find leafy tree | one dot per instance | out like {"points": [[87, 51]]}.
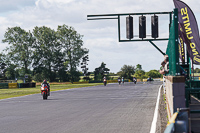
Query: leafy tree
{"points": [[76, 75], [84, 64], [10, 72], [28, 78], [138, 67], [20, 73], [8, 68], [54, 54], [140, 74], [46, 52], [119, 73], [98, 77], [62, 72], [3, 65], [153, 74], [39, 77], [101, 71], [127, 71], [112, 74], [20, 43], [72, 43]]}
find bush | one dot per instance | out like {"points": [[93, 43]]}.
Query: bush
{"points": [[153, 74]]}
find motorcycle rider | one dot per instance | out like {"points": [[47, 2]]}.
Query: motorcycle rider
{"points": [[149, 79], [134, 80], [119, 80], [123, 80], [104, 80], [45, 82]]}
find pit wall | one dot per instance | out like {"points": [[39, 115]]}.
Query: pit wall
{"points": [[175, 93]]}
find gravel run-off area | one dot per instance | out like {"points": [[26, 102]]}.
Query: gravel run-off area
{"points": [[162, 114]]}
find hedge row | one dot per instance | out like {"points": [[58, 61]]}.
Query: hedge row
{"points": [[95, 81], [17, 85]]}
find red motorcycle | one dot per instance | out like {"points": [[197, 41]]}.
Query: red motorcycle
{"points": [[45, 91]]}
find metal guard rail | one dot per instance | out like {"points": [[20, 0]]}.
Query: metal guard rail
{"points": [[170, 126], [179, 122]]}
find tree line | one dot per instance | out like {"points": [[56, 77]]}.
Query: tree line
{"points": [[44, 53], [54, 55], [129, 71], [126, 71]]}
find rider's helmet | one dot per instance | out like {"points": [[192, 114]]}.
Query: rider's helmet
{"points": [[45, 82]]}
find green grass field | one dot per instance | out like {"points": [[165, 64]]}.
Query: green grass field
{"points": [[9, 93]]}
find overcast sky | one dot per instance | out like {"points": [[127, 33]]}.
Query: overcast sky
{"points": [[100, 37]]}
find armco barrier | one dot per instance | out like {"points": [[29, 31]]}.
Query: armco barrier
{"points": [[179, 122], [33, 84], [3, 85], [12, 85], [26, 85], [112, 81], [95, 81], [16, 85]]}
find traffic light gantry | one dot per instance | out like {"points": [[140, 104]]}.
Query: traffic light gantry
{"points": [[142, 26]]}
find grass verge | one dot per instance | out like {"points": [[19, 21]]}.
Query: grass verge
{"points": [[9, 93]]}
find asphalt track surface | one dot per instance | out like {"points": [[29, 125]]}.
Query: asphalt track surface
{"points": [[127, 108]]}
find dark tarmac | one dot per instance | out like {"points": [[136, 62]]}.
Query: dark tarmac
{"points": [[114, 108]]}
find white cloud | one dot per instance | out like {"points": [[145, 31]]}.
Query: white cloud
{"points": [[13, 5], [100, 37]]}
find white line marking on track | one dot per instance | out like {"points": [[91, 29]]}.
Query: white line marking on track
{"points": [[153, 125]]}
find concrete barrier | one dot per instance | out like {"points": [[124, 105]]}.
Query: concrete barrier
{"points": [[175, 93]]}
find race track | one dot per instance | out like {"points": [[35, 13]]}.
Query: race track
{"points": [[127, 108]]}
